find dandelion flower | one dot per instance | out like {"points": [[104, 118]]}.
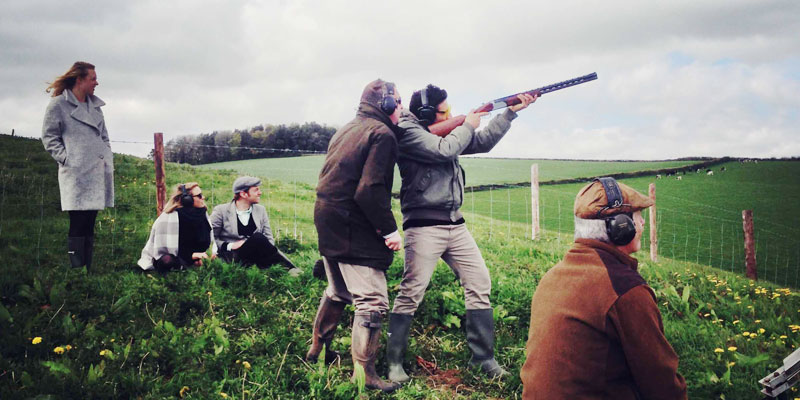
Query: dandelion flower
{"points": [[753, 335], [58, 350], [718, 350], [730, 364], [758, 321], [732, 348], [736, 322], [68, 347], [37, 340], [183, 391], [783, 336], [246, 364], [223, 395], [746, 333], [761, 330]]}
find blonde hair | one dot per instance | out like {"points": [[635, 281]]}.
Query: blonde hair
{"points": [[67, 81], [175, 198]]}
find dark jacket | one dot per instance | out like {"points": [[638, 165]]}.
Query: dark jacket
{"points": [[433, 180], [596, 332], [353, 210]]}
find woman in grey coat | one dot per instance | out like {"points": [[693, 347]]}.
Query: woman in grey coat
{"points": [[74, 133]]}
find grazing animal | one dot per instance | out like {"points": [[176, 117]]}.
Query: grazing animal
{"points": [[723, 169], [680, 178], [710, 172], [658, 176]]}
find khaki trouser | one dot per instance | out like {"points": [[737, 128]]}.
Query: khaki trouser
{"points": [[363, 286], [453, 244]]}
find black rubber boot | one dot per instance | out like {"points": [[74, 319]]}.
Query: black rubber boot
{"points": [[88, 252], [396, 343], [76, 248], [364, 349], [480, 339], [325, 324]]}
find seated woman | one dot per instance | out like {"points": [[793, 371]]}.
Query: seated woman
{"points": [[182, 234]]}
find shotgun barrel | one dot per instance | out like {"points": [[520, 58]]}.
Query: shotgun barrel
{"points": [[445, 127]]}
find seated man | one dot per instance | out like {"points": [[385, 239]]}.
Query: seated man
{"points": [[242, 231], [595, 331]]}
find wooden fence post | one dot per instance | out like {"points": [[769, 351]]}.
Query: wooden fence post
{"points": [[749, 245], [534, 201], [158, 160], [653, 227]]}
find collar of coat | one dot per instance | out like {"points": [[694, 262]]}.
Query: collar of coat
{"points": [[367, 110], [92, 116], [609, 248]]}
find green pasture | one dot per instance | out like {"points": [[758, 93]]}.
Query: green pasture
{"points": [[699, 217], [479, 171], [225, 331]]}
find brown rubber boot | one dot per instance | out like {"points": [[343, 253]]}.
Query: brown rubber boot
{"points": [[364, 348], [325, 324]]}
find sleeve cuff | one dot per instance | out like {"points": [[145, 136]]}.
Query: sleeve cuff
{"points": [[391, 235]]}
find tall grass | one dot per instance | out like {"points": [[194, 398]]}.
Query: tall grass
{"points": [[222, 330]]}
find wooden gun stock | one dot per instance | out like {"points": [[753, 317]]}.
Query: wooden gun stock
{"points": [[445, 127]]}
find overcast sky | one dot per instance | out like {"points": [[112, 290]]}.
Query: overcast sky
{"points": [[676, 78]]}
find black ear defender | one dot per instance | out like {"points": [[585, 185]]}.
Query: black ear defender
{"points": [[620, 227], [426, 113], [187, 200], [388, 103]]}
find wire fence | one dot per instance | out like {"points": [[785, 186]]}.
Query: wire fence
{"points": [[31, 221]]}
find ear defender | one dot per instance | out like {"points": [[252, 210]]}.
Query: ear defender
{"points": [[388, 103], [187, 200], [620, 227], [427, 113]]}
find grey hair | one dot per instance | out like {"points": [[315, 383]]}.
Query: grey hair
{"points": [[591, 229]]}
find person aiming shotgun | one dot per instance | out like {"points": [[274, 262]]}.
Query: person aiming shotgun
{"points": [[431, 196]]}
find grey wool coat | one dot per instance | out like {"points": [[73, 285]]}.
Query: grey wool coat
{"points": [[224, 223], [75, 134]]}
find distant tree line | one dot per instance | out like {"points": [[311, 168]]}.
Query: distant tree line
{"points": [[262, 141]]}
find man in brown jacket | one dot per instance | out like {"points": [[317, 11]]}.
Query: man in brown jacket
{"points": [[595, 331], [357, 230]]}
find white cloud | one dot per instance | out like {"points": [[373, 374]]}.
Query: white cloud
{"points": [[676, 79]]}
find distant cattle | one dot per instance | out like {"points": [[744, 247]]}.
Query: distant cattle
{"points": [[658, 176], [722, 169], [680, 178], [709, 172]]}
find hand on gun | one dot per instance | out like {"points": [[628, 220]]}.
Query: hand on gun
{"points": [[525, 100], [474, 118]]}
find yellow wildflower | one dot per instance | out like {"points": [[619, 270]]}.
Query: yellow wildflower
{"points": [[758, 321], [761, 330], [223, 395], [732, 348], [783, 336], [208, 293], [37, 340], [736, 322], [753, 335], [68, 347], [246, 364], [183, 391], [718, 350], [746, 333], [730, 364], [58, 350]]}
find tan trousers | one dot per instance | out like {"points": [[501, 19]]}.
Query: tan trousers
{"points": [[453, 244], [362, 286]]}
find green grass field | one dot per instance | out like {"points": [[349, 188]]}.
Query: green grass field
{"points": [[223, 331], [699, 217], [479, 171]]}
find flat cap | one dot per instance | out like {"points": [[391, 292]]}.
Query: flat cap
{"points": [[242, 184], [592, 202]]}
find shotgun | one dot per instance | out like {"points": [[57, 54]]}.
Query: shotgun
{"points": [[445, 127]]}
